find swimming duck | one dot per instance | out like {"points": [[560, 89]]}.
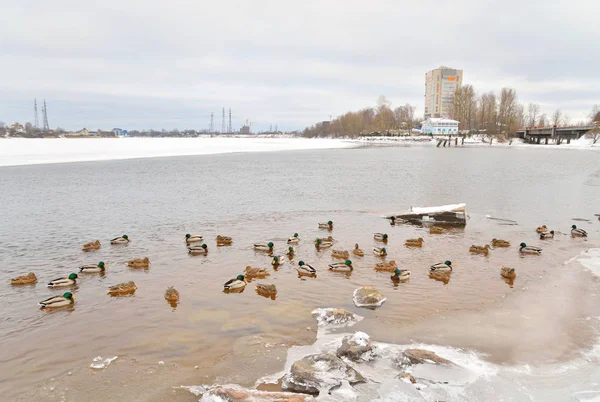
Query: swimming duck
{"points": [[294, 239], [58, 301], [237, 283], [345, 266], [24, 279], [485, 250], [380, 251], [500, 243], [93, 245], [441, 267], [357, 251], [190, 238], [414, 242], [91, 268], [394, 220], [122, 289], [139, 263], [508, 273], [68, 281], [321, 243], [172, 295], [383, 237], [290, 251], [198, 249], [386, 266], [252, 273], [120, 240], [224, 241], [547, 235], [305, 269], [277, 260], [266, 290], [525, 249], [578, 232], [542, 229], [400, 274], [437, 230], [266, 247], [328, 225], [342, 254]]}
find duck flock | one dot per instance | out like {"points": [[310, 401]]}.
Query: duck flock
{"points": [[196, 246]]}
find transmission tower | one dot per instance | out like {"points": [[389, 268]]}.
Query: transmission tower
{"points": [[45, 117], [36, 122], [276, 128], [229, 128], [223, 122], [212, 123]]}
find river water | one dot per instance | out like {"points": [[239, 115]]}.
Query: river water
{"points": [[547, 317]]}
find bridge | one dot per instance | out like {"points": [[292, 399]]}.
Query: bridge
{"points": [[535, 135]]}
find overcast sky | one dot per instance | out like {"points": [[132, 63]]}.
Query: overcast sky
{"points": [[169, 64]]}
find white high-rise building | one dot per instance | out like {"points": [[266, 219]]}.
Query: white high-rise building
{"points": [[440, 85]]}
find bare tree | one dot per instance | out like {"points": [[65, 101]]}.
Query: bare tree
{"points": [[557, 118], [533, 111], [405, 116], [594, 115], [464, 107], [507, 110], [543, 120]]}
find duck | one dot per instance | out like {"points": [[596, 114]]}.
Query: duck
{"points": [[414, 242], [380, 251], [386, 266], [383, 237], [394, 220], [485, 250], [500, 243], [66, 299], [294, 239], [328, 225], [547, 235], [251, 273], [171, 295], [291, 251], [508, 273], [575, 231], [266, 290], [120, 240], [437, 230], [342, 254], [122, 289], [236, 283], [224, 241], [525, 249], [400, 274], [441, 267], [542, 229], [322, 243], [91, 268], [266, 247], [305, 269], [357, 251], [93, 245], [345, 266], [68, 281], [198, 249], [139, 263], [24, 279], [193, 238], [277, 260]]}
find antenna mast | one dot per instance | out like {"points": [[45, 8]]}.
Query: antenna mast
{"points": [[36, 122], [45, 117]]}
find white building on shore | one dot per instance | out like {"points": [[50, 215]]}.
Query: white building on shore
{"points": [[439, 126]]}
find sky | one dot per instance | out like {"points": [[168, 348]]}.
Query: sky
{"points": [[169, 64]]}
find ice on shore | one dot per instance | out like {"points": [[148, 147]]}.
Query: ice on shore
{"points": [[100, 362]]}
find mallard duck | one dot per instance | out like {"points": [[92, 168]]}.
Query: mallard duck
{"points": [[342, 254], [93, 245], [236, 283], [120, 240], [139, 263], [485, 250], [500, 243], [383, 237], [394, 220], [252, 273], [24, 279], [91, 268], [198, 249], [277, 260], [305, 269], [508, 273], [122, 289], [172, 295], [266, 247], [547, 235], [294, 239], [575, 231], [68, 281], [414, 242], [357, 251], [291, 251], [437, 230], [441, 267], [345, 266], [380, 251], [525, 249], [266, 290], [321, 243], [400, 274], [542, 229], [58, 301], [190, 238], [328, 225], [224, 241], [386, 266]]}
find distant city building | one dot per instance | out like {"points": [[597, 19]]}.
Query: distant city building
{"points": [[440, 85], [245, 130], [436, 126], [119, 132]]}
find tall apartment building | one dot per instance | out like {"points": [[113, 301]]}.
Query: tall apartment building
{"points": [[440, 85]]}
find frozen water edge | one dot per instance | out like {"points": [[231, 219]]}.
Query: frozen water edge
{"points": [[23, 151]]}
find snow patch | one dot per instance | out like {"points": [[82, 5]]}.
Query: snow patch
{"points": [[100, 363]]}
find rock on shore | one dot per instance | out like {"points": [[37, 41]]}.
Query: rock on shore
{"points": [[356, 347], [368, 296]]}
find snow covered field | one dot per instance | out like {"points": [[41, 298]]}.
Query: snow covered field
{"points": [[22, 151]]}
